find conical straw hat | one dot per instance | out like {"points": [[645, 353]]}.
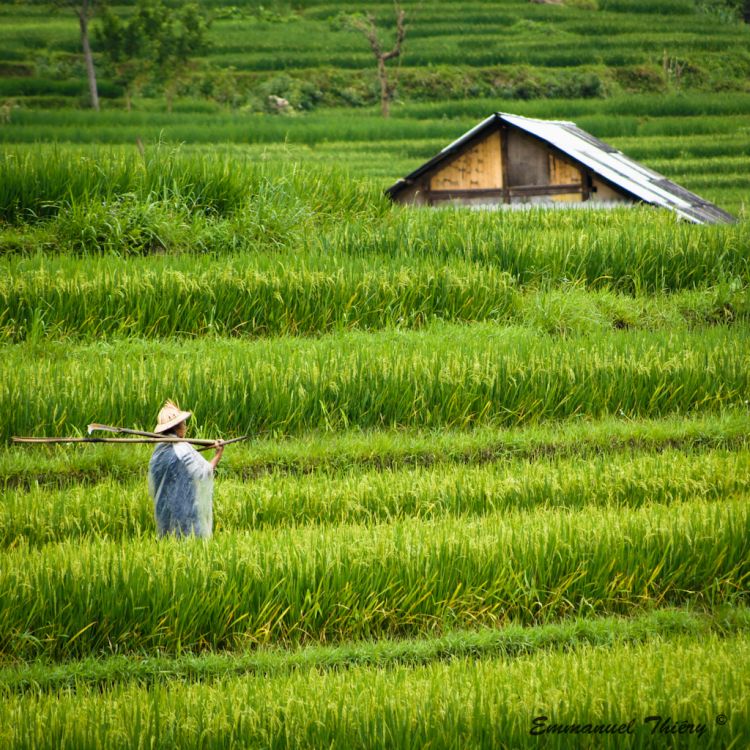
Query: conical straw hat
{"points": [[170, 416]]}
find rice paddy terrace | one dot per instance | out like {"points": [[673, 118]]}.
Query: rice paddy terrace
{"points": [[497, 491]]}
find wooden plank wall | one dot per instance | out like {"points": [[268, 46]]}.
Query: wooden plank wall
{"points": [[478, 168], [533, 173], [605, 194], [563, 173], [527, 161]]}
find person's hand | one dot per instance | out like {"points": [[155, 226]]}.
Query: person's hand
{"points": [[219, 448]]}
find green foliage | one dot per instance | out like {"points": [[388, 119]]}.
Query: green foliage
{"points": [[156, 41], [154, 34], [452, 52], [725, 10], [302, 94]]}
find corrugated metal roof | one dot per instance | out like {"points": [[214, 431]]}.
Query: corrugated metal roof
{"points": [[599, 158]]}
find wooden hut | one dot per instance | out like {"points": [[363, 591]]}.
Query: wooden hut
{"points": [[508, 160]]}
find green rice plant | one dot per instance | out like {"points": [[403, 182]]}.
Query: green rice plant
{"points": [[485, 643], [115, 127], [645, 148], [12, 87], [633, 128], [251, 295], [723, 181], [603, 249], [704, 168], [116, 510], [321, 127], [110, 200], [261, 294], [642, 105], [443, 376], [634, 251], [463, 703], [660, 7], [339, 583], [609, 126], [65, 467]]}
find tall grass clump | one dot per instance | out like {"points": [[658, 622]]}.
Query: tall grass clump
{"points": [[44, 182]]}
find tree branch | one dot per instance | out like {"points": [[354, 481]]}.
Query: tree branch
{"points": [[367, 26], [400, 34]]}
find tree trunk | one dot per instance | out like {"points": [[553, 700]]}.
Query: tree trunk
{"points": [[83, 19], [385, 94]]}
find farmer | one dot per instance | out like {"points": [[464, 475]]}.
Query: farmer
{"points": [[180, 480]]}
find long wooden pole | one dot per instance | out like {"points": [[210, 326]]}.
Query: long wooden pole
{"points": [[142, 433], [40, 440], [205, 444]]}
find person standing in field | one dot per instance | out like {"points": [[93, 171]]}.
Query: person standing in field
{"points": [[180, 480]]}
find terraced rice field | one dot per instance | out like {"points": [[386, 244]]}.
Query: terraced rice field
{"points": [[396, 588], [496, 494], [497, 489], [389, 587]]}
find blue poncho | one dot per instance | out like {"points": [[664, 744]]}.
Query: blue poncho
{"points": [[181, 485]]}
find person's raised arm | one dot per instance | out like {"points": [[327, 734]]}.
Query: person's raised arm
{"points": [[217, 456]]}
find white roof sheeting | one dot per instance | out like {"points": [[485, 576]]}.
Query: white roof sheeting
{"points": [[601, 159]]}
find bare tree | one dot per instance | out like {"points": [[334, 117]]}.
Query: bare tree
{"points": [[366, 24]]}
